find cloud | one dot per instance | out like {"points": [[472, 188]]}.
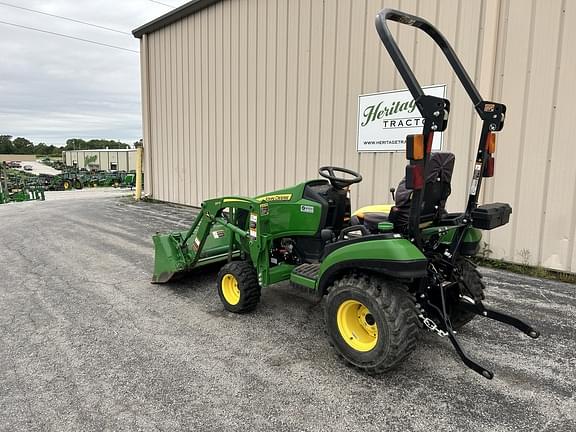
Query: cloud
{"points": [[52, 88]]}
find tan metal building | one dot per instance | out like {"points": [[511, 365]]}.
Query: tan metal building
{"points": [[101, 159], [245, 96]]}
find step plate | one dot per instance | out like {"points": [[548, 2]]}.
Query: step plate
{"points": [[309, 271]]}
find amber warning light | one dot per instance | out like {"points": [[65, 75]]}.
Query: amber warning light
{"points": [[490, 149]]}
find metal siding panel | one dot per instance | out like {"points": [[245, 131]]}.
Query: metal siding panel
{"points": [[281, 86], [162, 148], [204, 107], [531, 167], [341, 76], [370, 61], [355, 83], [251, 99], [242, 134], [198, 142], [172, 125], [179, 125], [465, 119], [219, 102], [261, 101], [234, 99], [146, 121], [293, 60], [560, 205], [187, 165], [300, 145], [518, 49], [328, 87], [211, 99], [315, 101], [156, 127], [226, 173], [151, 85], [384, 176], [191, 159], [271, 91]]}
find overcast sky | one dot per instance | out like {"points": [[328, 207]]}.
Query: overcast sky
{"points": [[52, 88]]}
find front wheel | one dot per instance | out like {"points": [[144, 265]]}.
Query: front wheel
{"points": [[238, 287], [371, 322]]}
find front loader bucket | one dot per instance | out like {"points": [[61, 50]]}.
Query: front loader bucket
{"points": [[169, 258]]}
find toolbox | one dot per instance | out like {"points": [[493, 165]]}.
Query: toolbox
{"points": [[490, 216]]}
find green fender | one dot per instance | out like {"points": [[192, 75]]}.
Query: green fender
{"points": [[391, 256]]}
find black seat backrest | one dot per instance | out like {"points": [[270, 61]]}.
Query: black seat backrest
{"points": [[438, 189]]}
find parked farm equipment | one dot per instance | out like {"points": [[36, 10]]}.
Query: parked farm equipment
{"points": [[18, 187], [384, 276]]}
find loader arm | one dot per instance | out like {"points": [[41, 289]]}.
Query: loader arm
{"points": [[182, 251]]}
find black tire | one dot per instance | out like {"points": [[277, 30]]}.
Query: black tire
{"points": [[78, 184], [246, 288], [66, 185], [392, 311], [471, 285]]}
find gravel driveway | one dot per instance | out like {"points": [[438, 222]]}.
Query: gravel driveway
{"points": [[87, 343]]}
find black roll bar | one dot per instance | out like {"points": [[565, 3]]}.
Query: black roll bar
{"points": [[401, 63], [435, 112]]}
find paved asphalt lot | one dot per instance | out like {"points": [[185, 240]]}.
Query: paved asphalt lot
{"points": [[87, 343]]}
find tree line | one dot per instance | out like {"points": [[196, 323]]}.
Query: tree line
{"points": [[10, 145]]}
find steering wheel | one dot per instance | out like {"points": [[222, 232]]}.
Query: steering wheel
{"points": [[339, 182]]}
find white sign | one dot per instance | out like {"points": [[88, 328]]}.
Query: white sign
{"points": [[384, 120]]}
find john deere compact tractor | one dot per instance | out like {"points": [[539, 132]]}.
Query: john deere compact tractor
{"points": [[385, 275]]}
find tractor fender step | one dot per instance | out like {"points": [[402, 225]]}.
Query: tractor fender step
{"points": [[309, 271], [305, 275]]}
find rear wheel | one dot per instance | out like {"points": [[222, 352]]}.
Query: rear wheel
{"points": [[472, 286], [371, 322], [238, 287]]}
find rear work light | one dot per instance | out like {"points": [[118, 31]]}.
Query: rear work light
{"points": [[415, 147], [490, 149], [491, 143], [415, 176], [489, 167]]}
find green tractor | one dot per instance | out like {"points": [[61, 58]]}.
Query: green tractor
{"points": [[385, 275]]}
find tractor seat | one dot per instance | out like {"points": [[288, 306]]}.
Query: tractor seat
{"points": [[433, 203], [371, 216]]}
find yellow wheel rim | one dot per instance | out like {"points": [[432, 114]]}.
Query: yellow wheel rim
{"points": [[357, 325], [66, 185], [230, 289]]}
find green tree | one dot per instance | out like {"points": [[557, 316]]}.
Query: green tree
{"points": [[75, 144], [23, 146], [53, 150], [6, 146], [41, 149]]}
